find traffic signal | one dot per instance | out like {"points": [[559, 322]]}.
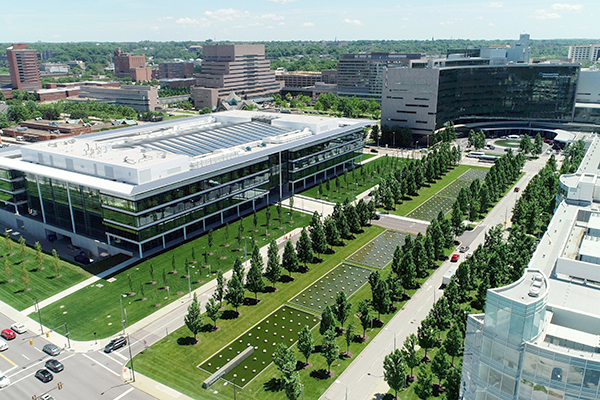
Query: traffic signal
{"points": [[31, 342], [59, 385]]}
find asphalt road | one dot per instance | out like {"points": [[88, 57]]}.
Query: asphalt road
{"points": [[92, 375]]}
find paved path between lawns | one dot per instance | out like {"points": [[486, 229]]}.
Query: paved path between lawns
{"points": [[364, 377]]}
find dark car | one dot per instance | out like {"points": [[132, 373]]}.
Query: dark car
{"points": [[557, 374], [51, 349], [115, 344], [54, 365], [83, 259], [44, 375]]}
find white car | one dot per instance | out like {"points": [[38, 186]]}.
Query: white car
{"points": [[4, 381], [18, 327], [3, 345]]}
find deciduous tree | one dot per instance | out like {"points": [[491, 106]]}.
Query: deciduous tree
{"points": [[193, 319], [394, 371]]}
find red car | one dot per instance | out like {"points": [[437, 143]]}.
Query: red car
{"points": [[454, 258], [8, 334]]}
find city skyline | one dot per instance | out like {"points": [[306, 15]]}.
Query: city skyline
{"points": [[284, 20]]}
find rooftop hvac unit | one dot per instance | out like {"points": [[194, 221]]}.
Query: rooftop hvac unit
{"points": [[534, 292]]}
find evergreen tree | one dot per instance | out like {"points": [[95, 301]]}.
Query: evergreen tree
{"points": [[456, 220], [219, 292], [396, 260], [409, 352], [342, 226], [238, 269], [304, 248], [254, 280], [381, 298], [409, 278], [289, 261], [329, 348], [331, 232], [353, 219], [318, 239], [341, 308], [193, 319], [327, 320], [305, 342], [213, 311], [273, 271], [235, 292], [394, 368]]}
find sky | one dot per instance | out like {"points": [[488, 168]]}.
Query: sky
{"points": [[274, 20]]}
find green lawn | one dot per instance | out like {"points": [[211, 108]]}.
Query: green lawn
{"points": [[366, 156], [155, 363], [96, 308], [427, 192], [507, 143], [356, 181], [43, 278]]}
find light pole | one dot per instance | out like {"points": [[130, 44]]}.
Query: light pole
{"points": [[338, 381], [234, 376], [122, 315], [394, 333], [37, 307]]}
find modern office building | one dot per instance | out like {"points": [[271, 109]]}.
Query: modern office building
{"points": [[298, 79], [175, 70], [128, 65], [139, 97], [23, 66], [425, 99], [587, 106], [582, 53], [362, 75], [237, 68], [145, 188], [539, 338]]}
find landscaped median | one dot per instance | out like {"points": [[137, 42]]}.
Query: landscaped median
{"points": [[142, 288]]}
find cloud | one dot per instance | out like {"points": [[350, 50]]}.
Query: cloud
{"points": [[161, 19], [353, 21], [495, 4], [543, 14], [307, 24], [187, 21], [282, 1], [567, 7], [154, 28], [273, 17], [227, 14]]}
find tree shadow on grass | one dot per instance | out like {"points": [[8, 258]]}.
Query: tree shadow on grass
{"points": [[230, 314], [272, 385], [187, 341], [286, 278], [249, 301], [322, 374]]}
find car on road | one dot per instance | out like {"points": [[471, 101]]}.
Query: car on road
{"points": [[454, 258], [44, 375], [51, 349], [3, 345], [18, 327], [8, 334], [46, 397], [463, 249], [516, 189], [4, 381], [115, 344], [54, 365]]}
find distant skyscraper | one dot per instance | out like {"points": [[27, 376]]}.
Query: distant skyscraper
{"points": [[23, 65]]}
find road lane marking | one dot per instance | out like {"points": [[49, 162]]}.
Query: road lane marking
{"points": [[10, 369], [109, 357], [121, 356], [3, 356], [25, 356], [101, 365], [123, 395]]}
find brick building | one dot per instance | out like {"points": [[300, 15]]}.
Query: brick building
{"points": [[175, 70], [132, 66], [23, 66]]}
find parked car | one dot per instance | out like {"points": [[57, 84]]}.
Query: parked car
{"points": [[516, 189], [8, 334], [3, 345], [4, 381], [454, 258], [464, 249], [44, 375], [115, 344], [54, 365], [51, 349], [469, 255], [18, 327]]}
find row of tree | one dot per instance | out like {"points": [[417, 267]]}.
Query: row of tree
{"points": [[409, 178]]}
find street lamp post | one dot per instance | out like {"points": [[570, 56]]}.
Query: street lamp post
{"points": [[338, 381], [234, 376], [37, 306], [394, 333], [122, 315]]}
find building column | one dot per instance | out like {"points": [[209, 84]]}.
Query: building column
{"points": [[184, 233], [280, 179], [221, 217], [140, 249], [204, 224], [37, 180], [253, 204], [163, 240], [71, 208]]}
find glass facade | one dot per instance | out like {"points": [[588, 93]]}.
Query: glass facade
{"points": [[173, 212], [520, 92]]}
